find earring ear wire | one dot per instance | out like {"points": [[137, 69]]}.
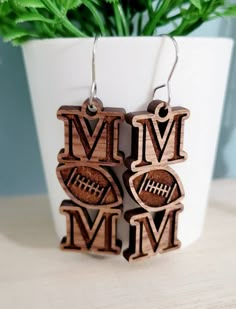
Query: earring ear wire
{"points": [[167, 84], [93, 90]]}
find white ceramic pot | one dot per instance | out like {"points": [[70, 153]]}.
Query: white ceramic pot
{"points": [[128, 69]]}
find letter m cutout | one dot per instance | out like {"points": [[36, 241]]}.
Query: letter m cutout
{"points": [[150, 236], [91, 138], [157, 139], [83, 234]]}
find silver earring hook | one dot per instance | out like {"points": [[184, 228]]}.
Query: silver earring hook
{"points": [[172, 69], [93, 90]]}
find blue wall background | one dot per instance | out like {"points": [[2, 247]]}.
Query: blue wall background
{"points": [[226, 156], [20, 164]]}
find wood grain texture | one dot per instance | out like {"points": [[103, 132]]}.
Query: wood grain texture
{"points": [[154, 189], [91, 136], [90, 185], [84, 234], [157, 141], [91, 146], [148, 235], [157, 136]]}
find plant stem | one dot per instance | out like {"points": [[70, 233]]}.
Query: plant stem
{"points": [[82, 18], [139, 24], [185, 26], [150, 8], [123, 19], [39, 26], [96, 16], [67, 24], [151, 25], [118, 20]]}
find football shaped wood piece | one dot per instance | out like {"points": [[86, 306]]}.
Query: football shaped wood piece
{"points": [[89, 186], [154, 189]]}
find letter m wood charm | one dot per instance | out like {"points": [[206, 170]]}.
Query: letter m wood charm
{"points": [[91, 138], [157, 136], [83, 234], [157, 141], [91, 147], [148, 235]]}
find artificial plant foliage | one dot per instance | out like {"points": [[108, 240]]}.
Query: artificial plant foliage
{"points": [[21, 20]]}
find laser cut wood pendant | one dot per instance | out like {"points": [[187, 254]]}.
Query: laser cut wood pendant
{"points": [[83, 234], [91, 147], [91, 137], [89, 186], [154, 189], [151, 235], [157, 141]]}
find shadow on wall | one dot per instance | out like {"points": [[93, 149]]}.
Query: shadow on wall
{"points": [[225, 162], [20, 163]]}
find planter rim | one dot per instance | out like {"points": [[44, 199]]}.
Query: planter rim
{"points": [[180, 38]]}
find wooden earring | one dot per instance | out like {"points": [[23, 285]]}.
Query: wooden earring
{"points": [[91, 148], [157, 142]]}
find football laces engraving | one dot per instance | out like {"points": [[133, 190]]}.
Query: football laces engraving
{"points": [[152, 186], [87, 185]]}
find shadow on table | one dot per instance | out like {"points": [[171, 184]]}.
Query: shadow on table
{"points": [[28, 222]]}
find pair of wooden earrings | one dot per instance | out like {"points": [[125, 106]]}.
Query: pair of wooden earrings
{"points": [[84, 171]]}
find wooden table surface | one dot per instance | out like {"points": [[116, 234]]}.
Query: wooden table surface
{"points": [[35, 274]]}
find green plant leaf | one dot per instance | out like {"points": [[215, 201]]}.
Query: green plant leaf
{"points": [[98, 17], [230, 11], [21, 40], [59, 13], [28, 17], [17, 34], [112, 1], [197, 4], [82, 18], [5, 9], [30, 3], [69, 4]]}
